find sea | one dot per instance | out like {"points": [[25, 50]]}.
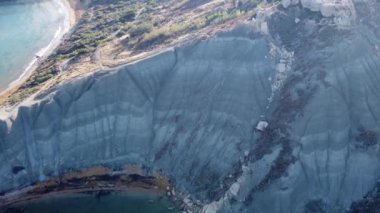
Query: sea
{"points": [[118, 202], [28, 28]]}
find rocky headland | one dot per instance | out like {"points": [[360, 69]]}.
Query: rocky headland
{"points": [[279, 114]]}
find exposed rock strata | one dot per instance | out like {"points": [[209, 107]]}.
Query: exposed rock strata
{"points": [[192, 114]]}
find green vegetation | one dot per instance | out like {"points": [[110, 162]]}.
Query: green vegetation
{"points": [[140, 29], [95, 29], [20, 96], [157, 35], [223, 16], [141, 24]]}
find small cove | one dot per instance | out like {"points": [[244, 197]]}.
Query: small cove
{"points": [[100, 202], [28, 28]]}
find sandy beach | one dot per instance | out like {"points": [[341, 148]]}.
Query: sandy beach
{"points": [[72, 17]]}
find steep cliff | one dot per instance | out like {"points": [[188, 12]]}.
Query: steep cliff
{"points": [[280, 120]]}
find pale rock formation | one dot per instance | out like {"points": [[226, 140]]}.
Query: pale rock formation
{"points": [[342, 11], [262, 125], [191, 113]]}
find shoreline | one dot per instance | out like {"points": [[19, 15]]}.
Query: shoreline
{"points": [[131, 190], [91, 180], [44, 52]]}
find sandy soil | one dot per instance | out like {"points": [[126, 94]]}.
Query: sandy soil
{"points": [[78, 7]]}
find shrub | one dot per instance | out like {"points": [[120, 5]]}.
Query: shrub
{"points": [[154, 37], [128, 15], [140, 29]]}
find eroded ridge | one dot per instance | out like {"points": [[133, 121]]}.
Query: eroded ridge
{"points": [[258, 119]]}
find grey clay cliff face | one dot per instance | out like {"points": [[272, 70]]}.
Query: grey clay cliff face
{"points": [[192, 113]]}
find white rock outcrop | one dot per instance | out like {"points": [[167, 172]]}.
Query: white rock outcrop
{"points": [[342, 11]]}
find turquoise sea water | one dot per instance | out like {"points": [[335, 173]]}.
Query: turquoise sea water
{"points": [[90, 203], [26, 27]]}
